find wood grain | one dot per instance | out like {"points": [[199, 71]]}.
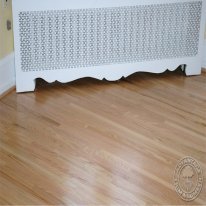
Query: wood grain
{"points": [[7, 92], [100, 143]]}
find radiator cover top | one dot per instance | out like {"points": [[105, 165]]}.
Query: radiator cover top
{"points": [[71, 38]]}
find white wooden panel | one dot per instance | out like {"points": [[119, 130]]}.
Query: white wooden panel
{"points": [[66, 40]]}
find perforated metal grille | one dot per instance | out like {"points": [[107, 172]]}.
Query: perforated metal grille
{"points": [[64, 39]]}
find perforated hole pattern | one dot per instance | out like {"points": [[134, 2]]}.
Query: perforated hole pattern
{"points": [[65, 39]]}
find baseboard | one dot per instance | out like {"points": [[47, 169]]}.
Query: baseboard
{"points": [[204, 55], [7, 73]]}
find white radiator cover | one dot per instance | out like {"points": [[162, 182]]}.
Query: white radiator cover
{"points": [[66, 40]]}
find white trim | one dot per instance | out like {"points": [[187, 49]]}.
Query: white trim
{"points": [[204, 56], [7, 73], [22, 5]]}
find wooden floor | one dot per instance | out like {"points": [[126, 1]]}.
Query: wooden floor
{"points": [[94, 142]]}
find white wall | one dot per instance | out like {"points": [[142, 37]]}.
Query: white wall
{"points": [[7, 73], [204, 55]]}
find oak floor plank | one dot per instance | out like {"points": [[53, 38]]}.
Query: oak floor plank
{"points": [[94, 142]]}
